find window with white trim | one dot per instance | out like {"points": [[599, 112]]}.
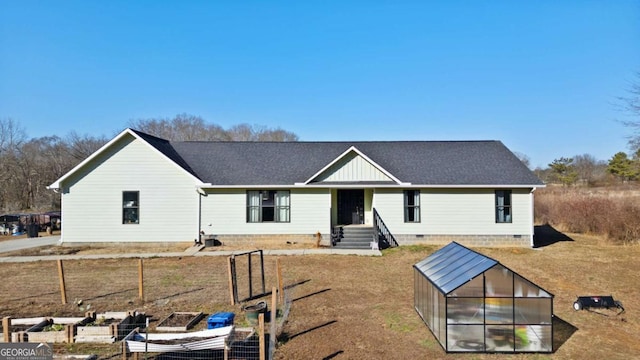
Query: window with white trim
{"points": [[503, 206], [130, 207], [412, 206], [268, 206]]}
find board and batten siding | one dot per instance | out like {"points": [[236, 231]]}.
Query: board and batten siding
{"points": [[455, 212], [224, 212], [352, 167], [92, 197]]}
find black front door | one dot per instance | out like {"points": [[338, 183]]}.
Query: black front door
{"points": [[350, 206]]}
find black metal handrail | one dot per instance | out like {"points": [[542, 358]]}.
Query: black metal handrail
{"points": [[381, 233]]}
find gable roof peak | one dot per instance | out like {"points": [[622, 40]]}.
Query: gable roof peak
{"points": [[146, 135], [353, 149]]}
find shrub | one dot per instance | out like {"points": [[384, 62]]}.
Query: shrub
{"points": [[610, 212]]}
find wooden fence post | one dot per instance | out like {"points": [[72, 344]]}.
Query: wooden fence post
{"points": [[124, 350], [140, 280], [273, 326], [6, 328], [63, 289], [230, 268], [261, 334], [274, 306], [226, 349], [280, 282]]}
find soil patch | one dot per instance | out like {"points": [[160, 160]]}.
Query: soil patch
{"points": [[179, 321]]}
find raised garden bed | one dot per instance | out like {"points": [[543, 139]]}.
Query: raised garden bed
{"points": [[53, 330], [109, 327], [17, 327], [179, 321]]}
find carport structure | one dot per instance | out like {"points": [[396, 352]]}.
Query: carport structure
{"points": [[472, 303]]}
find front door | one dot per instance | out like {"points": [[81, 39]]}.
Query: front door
{"points": [[350, 206]]}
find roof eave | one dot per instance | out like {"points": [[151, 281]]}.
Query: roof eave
{"points": [[359, 186], [481, 186]]}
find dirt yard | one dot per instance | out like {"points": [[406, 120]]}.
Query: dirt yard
{"points": [[363, 307], [348, 307]]}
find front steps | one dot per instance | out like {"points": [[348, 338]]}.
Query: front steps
{"points": [[355, 237]]}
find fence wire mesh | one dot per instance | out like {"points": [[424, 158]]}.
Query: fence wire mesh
{"points": [[156, 287]]}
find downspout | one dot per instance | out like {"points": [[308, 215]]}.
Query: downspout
{"points": [[201, 193], [199, 238], [532, 217]]}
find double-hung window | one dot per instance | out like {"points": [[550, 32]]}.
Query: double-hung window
{"points": [[412, 206], [268, 206], [503, 206], [130, 207]]}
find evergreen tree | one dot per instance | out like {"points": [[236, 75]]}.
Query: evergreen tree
{"points": [[622, 167], [564, 171]]}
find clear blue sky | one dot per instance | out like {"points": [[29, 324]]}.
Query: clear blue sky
{"points": [[541, 76]]}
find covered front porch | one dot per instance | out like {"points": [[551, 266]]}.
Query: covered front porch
{"points": [[354, 222], [351, 207]]}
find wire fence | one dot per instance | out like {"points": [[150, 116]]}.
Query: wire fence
{"points": [[62, 292]]}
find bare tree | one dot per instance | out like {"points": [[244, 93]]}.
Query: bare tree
{"points": [[183, 127], [246, 132], [523, 158], [12, 136], [543, 174], [279, 134], [585, 165], [36, 164], [28, 166], [80, 147], [631, 104], [241, 132]]}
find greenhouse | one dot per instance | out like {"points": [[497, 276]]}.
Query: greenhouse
{"points": [[472, 303]]}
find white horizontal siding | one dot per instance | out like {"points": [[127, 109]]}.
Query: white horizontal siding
{"points": [[224, 212], [353, 167], [455, 212], [92, 202]]}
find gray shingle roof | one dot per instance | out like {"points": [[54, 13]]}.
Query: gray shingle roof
{"points": [[437, 163], [417, 162]]}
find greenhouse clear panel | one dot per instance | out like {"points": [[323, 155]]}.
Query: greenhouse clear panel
{"points": [[465, 310], [465, 338], [532, 311]]}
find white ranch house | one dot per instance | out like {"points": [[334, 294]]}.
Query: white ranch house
{"points": [[140, 188]]}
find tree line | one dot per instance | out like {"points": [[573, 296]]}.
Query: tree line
{"points": [[29, 165], [587, 170], [621, 167]]}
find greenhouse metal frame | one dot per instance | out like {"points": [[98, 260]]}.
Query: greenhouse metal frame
{"points": [[472, 303]]}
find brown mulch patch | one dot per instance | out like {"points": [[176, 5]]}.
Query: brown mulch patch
{"points": [[177, 320]]}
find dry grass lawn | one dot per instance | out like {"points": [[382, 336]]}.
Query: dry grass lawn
{"points": [[349, 307]]}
